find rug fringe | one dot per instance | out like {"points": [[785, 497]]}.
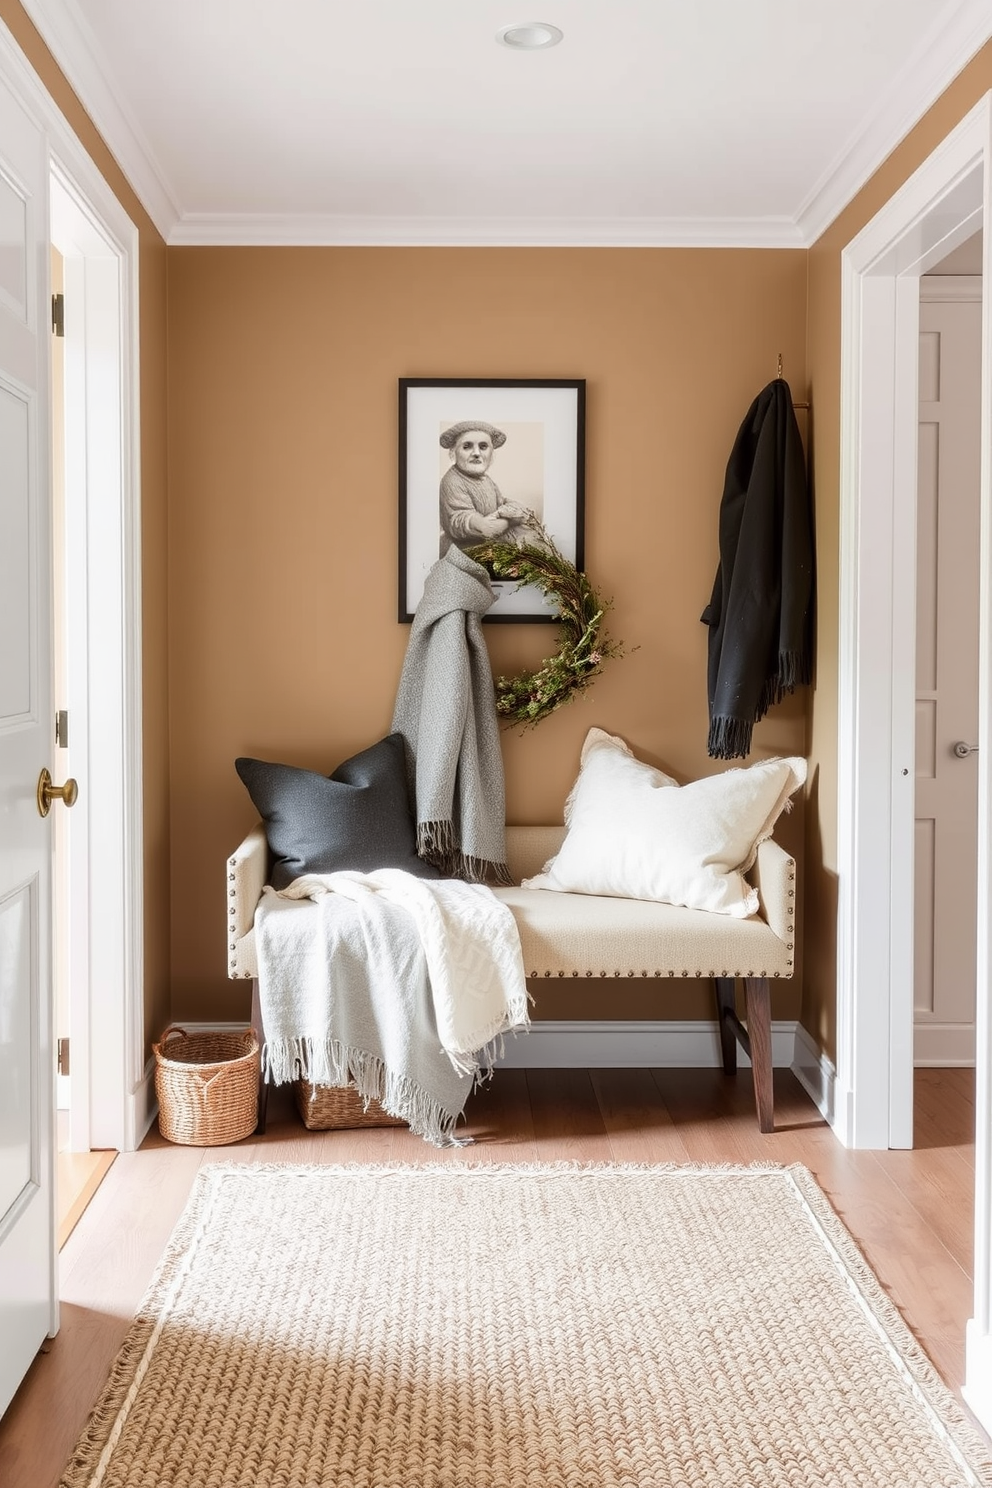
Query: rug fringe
{"points": [[947, 1418]]}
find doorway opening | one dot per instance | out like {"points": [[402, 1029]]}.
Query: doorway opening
{"points": [[96, 728], [942, 205]]}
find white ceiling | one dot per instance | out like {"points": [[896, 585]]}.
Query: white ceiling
{"points": [[387, 121]]}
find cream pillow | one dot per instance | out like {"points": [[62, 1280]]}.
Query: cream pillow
{"points": [[634, 833]]}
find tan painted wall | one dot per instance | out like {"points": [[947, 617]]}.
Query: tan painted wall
{"points": [[820, 908], [284, 643], [152, 284], [281, 518]]}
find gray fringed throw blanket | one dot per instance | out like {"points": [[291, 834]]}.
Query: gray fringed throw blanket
{"points": [[446, 712], [761, 612], [399, 985]]}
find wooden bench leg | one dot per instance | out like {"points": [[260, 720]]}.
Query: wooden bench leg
{"points": [[726, 1003], [259, 1032], [759, 1026]]}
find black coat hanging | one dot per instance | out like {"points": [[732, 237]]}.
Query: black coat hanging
{"points": [[761, 613]]}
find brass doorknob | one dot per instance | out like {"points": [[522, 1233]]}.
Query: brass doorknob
{"points": [[47, 793]]}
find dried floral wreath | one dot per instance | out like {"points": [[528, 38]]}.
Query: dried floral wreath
{"points": [[583, 644]]}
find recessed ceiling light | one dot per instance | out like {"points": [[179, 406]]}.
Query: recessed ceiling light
{"points": [[529, 36]]}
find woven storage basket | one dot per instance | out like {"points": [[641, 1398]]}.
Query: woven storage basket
{"points": [[331, 1107], [207, 1086]]}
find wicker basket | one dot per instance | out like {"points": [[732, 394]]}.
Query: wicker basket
{"points": [[332, 1107], [207, 1086]]}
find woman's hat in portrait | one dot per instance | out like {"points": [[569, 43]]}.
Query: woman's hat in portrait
{"points": [[452, 435]]}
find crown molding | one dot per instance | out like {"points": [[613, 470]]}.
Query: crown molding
{"points": [[308, 230], [950, 288], [934, 65], [69, 38]]}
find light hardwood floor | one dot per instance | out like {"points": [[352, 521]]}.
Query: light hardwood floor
{"points": [[911, 1212], [78, 1175]]}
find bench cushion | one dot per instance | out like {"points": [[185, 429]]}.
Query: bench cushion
{"points": [[588, 935]]}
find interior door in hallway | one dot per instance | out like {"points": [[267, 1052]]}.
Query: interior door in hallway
{"points": [[27, 1246], [946, 842]]}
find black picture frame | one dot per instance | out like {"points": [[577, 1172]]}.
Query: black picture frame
{"points": [[539, 464]]}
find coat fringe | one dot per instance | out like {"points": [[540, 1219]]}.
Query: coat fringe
{"points": [[730, 738]]}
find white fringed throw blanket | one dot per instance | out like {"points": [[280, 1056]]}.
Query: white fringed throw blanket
{"points": [[399, 985], [446, 712]]}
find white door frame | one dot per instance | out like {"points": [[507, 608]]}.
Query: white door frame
{"points": [[102, 666], [100, 246], [942, 204]]}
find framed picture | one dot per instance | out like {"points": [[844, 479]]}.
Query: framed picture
{"points": [[476, 458]]}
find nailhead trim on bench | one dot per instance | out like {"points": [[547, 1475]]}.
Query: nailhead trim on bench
{"points": [[698, 975]]}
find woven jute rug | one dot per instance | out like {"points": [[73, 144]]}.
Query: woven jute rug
{"points": [[468, 1326]]}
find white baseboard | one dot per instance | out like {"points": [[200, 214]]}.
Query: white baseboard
{"points": [[815, 1073], [944, 1045], [604, 1045], [211, 1027], [143, 1108], [977, 1389], [598, 1045]]}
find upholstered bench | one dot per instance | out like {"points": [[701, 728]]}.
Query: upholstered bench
{"points": [[586, 935]]}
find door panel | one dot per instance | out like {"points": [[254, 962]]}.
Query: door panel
{"points": [[13, 254], [15, 528], [947, 679], [27, 1244], [923, 928], [18, 1159]]}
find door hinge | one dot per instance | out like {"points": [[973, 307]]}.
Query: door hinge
{"points": [[62, 728], [58, 314], [63, 1056]]}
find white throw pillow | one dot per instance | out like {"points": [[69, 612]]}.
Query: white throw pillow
{"points": [[634, 833]]}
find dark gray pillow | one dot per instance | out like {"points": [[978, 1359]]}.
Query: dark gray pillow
{"points": [[359, 818]]}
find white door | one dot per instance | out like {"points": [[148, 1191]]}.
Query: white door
{"points": [[947, 674], [28, 1307]]}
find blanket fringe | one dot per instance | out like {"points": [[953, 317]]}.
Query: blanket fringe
{"points": [[436, 845], [330, 1062]]}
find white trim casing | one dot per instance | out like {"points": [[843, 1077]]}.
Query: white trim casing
{"points": [[104, 660], [902, 851]]}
